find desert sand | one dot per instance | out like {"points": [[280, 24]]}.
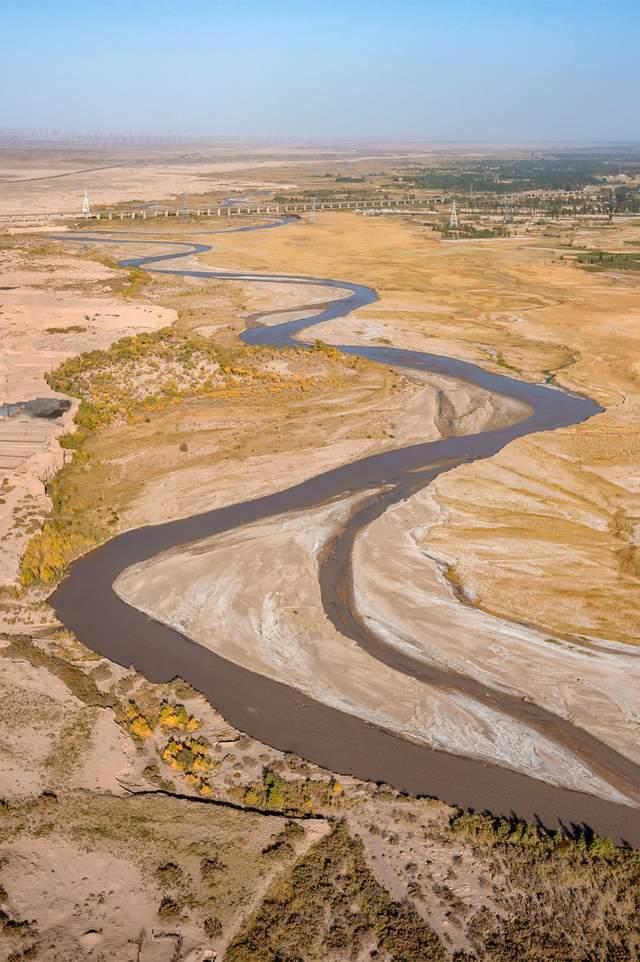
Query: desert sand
{"points": [[52, 307]]}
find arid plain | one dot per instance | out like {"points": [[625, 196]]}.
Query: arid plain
{"points": [[519, 571]]}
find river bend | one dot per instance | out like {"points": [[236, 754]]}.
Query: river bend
{"points": [[285, 718]]}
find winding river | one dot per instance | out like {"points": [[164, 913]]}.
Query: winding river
{"points": [[283, 717]]}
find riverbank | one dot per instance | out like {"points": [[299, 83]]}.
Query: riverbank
{"points": [[549, 411]]}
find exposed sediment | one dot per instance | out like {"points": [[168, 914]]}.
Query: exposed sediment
{"points": [[413, 465]]}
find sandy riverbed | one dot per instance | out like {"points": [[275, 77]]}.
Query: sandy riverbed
{"points": [[429, 618]]}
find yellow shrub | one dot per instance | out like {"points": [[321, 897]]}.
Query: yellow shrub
{"points": [[48, 553], [189, 756], [171, 751], [137, 724], [202, 764], [168, 717], [177, 717], [139, 727]]}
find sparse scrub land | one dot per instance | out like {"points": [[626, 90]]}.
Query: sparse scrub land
{"points": [[543, 896], [140, 373], [151, 371], [559, 898], [126, 383], [331, 908], [195, 866], [72, 743]]}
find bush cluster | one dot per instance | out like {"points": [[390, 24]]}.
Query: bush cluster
{"points": [[178, 718], [137, 723], [190, 756], [504, 831], [296, 797]]}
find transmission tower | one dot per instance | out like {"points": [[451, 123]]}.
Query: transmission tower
{"points": [[453, 223], [86, 206], [184, 216]]}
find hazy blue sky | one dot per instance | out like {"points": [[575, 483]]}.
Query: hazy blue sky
{"points": [[411, 70]]}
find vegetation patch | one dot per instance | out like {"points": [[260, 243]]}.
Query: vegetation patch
{"points": [[136, 722], [331, 908], [190, 756], [505, 831], [604, 261], [76, 680], [128, 382], [58, 542], [136, 280], [69, 329], [469, 232], [561, 897], [177, 717], [302, 796]]}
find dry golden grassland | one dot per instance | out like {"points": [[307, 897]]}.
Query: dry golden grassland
{"points": [[547, 531]]}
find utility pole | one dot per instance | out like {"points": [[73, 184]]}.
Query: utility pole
{"points": [[86, 206], [453, 223]]}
